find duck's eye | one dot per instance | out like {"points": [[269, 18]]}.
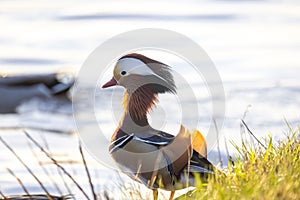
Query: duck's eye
{"points": [[123, 73]]}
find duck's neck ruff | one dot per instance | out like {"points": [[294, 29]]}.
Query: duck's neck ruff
{"points": [[138, 103]]}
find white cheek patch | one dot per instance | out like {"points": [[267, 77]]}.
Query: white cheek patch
{"points": [[135, 66]]}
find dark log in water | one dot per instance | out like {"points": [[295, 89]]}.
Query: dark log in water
{"points": [[36, 197], [15, 90], [48, 80]]}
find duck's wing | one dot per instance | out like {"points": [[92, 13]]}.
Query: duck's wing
{"points": [[179, 151], [188, 152], [198, 161]]}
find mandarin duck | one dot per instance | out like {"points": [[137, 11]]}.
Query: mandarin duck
{"points": [[153, 157]]}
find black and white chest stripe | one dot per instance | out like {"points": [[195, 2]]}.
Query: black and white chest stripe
{"points": [[157, 140]]}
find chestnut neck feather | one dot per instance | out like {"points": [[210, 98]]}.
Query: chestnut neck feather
{"points": [[138, 103]]}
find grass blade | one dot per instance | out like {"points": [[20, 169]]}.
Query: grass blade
{"points": [[87, 171], [218, 143], [253, 134], [44, 169], [20, 183], [27, 168], [58, 169], [57, 164]]}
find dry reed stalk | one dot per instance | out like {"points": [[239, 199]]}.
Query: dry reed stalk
{"points": [[58, 165]]}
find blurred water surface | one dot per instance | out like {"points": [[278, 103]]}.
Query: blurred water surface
{"points": [[254, 45]]}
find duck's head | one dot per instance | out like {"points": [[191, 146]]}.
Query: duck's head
{"points": [[134, 71]]}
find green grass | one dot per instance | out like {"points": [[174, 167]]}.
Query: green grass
{"points": [[258, 173]]}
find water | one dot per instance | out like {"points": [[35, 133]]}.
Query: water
{"points": [[254, 45]]}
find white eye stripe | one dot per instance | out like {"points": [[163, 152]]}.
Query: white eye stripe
{"points": [[135, 66], [141, 70]]}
